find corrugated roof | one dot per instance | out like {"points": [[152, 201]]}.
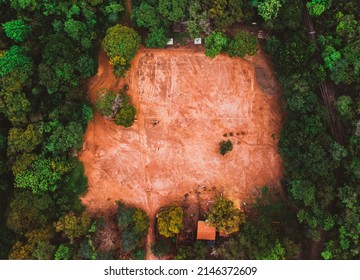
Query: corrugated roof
{"points": [[205, 232]]}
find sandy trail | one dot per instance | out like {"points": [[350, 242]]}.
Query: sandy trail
{"points": [[196, 101]]}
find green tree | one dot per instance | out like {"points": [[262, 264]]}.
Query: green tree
{"points": [[146, 15], [15, 59], [157, 38], [121, 44], [344, 106], [16, 30], [225, 146], [63, 252], [65, 138], [224, 13], [28, 211], [243, 43], [57, 72], [141, 222], [126, 115], [269, 9], [317, 7], [170, 221], [215, 43], [73, 226], [23, 140], [225, 216], [173, 10], [330, 56], [197, 251]]}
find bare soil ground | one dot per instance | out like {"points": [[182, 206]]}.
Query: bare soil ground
{"points": [[196, 100]]}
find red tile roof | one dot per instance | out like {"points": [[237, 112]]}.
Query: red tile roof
{"points": [[205, 232]]}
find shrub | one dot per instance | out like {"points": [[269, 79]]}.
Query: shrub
{"points": [[105, 101], [126, 115], [215, 43], [161, 248], [243, 43], [225, 146]]}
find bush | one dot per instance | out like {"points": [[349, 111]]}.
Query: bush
{"points": [[126, 115], [105, 101], [243, 43], [161, 248], [225, 146], [215, 43]]}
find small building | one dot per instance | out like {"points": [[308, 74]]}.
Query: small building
{"points": [[205, 231], [170, 42], [197, 41]]}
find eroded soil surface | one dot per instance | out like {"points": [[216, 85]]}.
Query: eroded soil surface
{"points": [[185, 104]]}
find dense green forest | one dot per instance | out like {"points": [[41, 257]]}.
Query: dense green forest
{"points": [[48, 48]]}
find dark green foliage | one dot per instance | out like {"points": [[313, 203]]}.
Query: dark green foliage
{"points": [[225, 147], [65, 138], [87, 113], [146, 15], [157, 38], [262, 237], [15, 59], [243, 43], [134, 224], [215, 43], [126, 115], [198, 251], [29, 211], [172, 10], [161, 247], [23, 140], [87, 250]]}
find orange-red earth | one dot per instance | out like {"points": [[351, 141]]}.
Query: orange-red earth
{"points": [[185, 105]]}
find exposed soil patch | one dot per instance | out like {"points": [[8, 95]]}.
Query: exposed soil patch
{"points": [[186, 103]]}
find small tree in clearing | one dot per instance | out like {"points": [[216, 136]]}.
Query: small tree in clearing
{"points": [[225, 146]]}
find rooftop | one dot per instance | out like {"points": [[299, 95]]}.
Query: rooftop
{"points": [[205, 232]]}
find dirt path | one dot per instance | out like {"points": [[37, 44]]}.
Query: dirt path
{"points": [[127, 16], [196, 100]]}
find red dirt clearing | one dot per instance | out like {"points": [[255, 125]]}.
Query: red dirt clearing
{"points": [[196, 100]]}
